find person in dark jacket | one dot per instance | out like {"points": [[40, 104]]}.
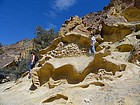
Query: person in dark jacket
{"points": [[33, 61]]}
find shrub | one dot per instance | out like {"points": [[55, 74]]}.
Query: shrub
{"points": [[16, 71], [43, 37]]}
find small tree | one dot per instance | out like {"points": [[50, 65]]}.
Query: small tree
{"points": [[43, 37]]}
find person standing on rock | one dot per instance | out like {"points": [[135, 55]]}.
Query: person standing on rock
{"points": [[32, 63], [92, 45]]}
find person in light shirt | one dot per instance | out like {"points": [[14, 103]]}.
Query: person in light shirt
{"points": [[92, 47]]}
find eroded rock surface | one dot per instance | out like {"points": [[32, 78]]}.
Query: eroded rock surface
{"points": [[67, 75], [135, 55]]}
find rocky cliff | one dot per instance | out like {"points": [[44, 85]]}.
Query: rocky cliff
{"points": [[14, 52], [67, 75]]}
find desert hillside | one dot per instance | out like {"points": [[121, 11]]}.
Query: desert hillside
{"points": [[15, 51], [67, 75]]}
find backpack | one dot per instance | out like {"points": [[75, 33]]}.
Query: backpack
{"points": [[36, 58]]}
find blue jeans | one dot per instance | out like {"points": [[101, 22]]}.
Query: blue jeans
{"points": [[92, 50], [31, 66]]}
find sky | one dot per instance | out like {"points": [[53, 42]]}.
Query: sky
{"points": [[19, 18]]}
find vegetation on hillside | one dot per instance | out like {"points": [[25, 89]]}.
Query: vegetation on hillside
{"points": [[1, 50], [16, 70], [43, 37]]}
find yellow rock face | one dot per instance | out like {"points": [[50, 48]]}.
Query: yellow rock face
{"points": [[115, 33], [132, 14], [72, 68], [67, 75]]}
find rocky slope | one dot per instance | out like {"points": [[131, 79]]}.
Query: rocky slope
{"points": [[67, 75], [14, 52]]}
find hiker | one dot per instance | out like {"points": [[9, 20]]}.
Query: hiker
{"points": [[92, 45], [32, 63]]}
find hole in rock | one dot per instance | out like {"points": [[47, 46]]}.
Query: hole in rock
{"points": [[56, 97]]}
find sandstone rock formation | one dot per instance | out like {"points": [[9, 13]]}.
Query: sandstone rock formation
{"points": [[67, 75]]}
